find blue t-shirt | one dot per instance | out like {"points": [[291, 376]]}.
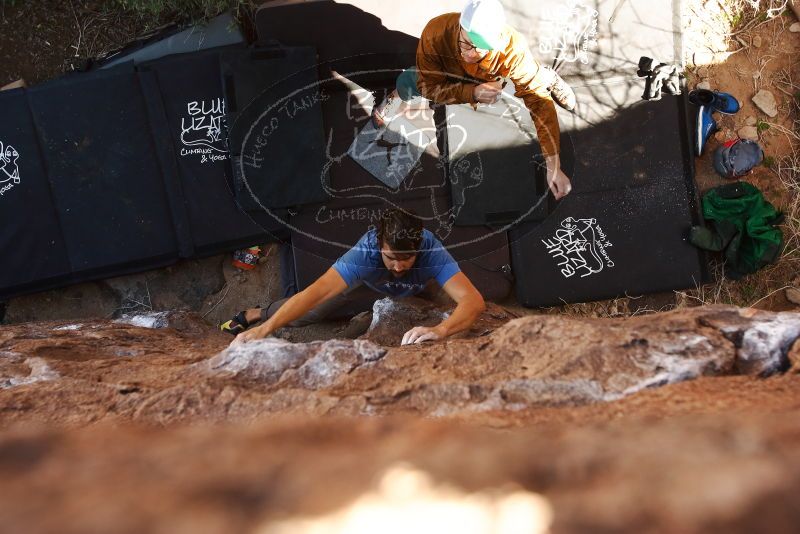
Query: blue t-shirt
{"points": [[363, 262]]}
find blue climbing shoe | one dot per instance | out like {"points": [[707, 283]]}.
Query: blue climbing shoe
{"points": [[723, 102], [706, 125], [726, 103]]}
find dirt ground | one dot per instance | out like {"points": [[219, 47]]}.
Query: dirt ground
{"points": [[111, 427], [41, 40], [742, 58]]}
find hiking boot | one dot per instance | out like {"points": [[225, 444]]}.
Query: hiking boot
{"points": [[706, 125], [562, 93], [723, 102]]}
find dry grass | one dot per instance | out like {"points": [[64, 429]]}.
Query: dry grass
{"points": [[104, 25], [191, 10], [758, 288], [609, 309], [788, 170], [765, 287]]}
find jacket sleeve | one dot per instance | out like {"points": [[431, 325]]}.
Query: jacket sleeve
{"points": [[531, 82], [432, 81]]}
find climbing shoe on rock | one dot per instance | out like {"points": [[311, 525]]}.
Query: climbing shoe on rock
{"points": [[236, 325]]}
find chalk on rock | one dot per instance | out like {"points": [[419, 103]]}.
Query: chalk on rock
{"points": [[318, 364], [765, 101], [766, 343], [391, 318], [40, 371], [145, 320], [335, 359]]}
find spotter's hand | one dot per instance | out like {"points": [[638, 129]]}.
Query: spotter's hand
{"points": [[418, 334], [377, 119], [487, 93], [559, 183]]}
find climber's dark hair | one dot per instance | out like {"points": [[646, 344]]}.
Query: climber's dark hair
{"points": [[400, 230]]}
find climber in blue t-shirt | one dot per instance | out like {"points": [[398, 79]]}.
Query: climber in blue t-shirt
{"points": [[397, 259], [362, 263]]}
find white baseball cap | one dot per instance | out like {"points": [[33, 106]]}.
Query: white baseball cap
{"points": [[485, 23]]}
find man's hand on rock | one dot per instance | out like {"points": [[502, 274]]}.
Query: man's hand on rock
{"points": [[418, 334], [487, 93], [247, 335]]}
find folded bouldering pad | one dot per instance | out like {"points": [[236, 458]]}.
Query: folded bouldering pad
{"points": [[276, 135], [33, 249], [190, 88], [608, 244], [126, 169], [106, 183]]}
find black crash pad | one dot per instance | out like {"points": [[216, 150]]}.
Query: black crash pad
{"points": [[275, 134], [612, 140], [495, 166], [190, 89], [347, 38], [106, 176], [33, 248], [608, 244], [107, 185], [618, 140], [632, 174], [371, 57]]}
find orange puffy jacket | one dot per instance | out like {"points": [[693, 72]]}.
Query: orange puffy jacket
{"points": [[441, 73]]}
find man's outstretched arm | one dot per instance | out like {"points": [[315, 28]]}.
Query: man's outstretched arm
{"points": [[532, 82], [469, 306], [325, 287]]}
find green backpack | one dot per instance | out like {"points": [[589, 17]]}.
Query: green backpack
{"points": [[741, 223]]}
